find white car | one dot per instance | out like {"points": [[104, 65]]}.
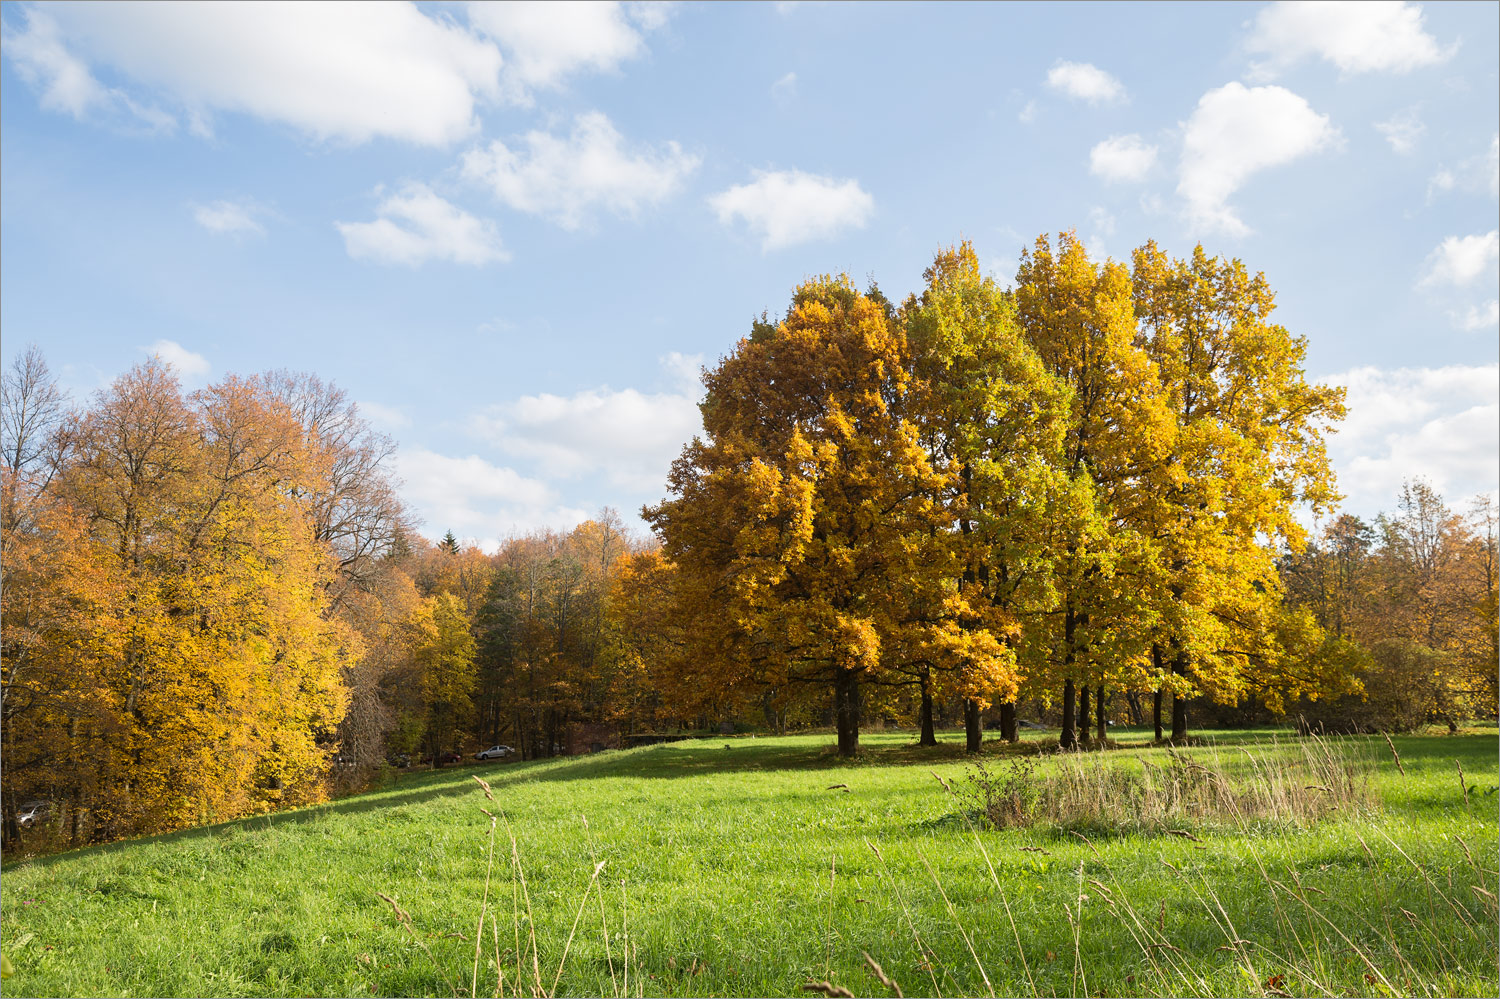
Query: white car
{"points": [[32, 812], [494, 753]]}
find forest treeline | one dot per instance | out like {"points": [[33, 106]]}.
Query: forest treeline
{"points": [[1069, 498]]}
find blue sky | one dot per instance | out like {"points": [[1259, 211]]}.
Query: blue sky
{"points": [[513, 232]]}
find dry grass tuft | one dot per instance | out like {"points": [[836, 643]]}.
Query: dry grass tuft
{"points": [[1296, 786]]}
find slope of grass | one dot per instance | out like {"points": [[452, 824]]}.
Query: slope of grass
{"points": [[732, 868]]}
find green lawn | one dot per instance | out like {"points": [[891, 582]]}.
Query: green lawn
{"points": [[734, 870]]}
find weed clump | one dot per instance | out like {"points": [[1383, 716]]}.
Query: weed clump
{"points": [[1295, 787]]}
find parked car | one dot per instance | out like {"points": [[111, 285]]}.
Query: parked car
{"points": [[494, 753], [451, 756], [32, 812], [399, 760]]}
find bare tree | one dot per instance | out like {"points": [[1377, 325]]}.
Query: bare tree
{"points": [[353, 501], [33, 410]]}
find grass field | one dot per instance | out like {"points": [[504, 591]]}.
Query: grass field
{"points": [[731, 868]]}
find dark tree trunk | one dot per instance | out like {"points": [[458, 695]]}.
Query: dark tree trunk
{"points": [[1008, 730], [1156, 705], [1069, 737], [1083, 712], [929, 734], [1134, 701], [1099, 714], [975, 736], [846, 710], [1179, 704]]}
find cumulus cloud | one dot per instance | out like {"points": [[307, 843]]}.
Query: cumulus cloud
{"points": [[1434, 423], [1473, 175], [351, 72], [1357, 36], [1085, 82], [628, 436], [416, 226], [568, 178], [1478, 317], [1234, 133], [545, 43], [1122, 158], [190, 367], [1461, 260], [1402, 130], [64, 82], [787, 207], [475, 498], [233, 218]]}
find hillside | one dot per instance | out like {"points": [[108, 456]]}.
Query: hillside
{"points": [[736, 870]]}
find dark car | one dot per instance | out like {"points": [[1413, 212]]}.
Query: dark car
{"points": [[451, 756]]}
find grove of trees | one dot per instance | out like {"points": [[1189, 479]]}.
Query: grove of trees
{"points": [[1084, 492]]}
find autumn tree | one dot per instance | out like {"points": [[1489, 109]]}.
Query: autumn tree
{"points": [[789, 521], [1222, 496], [1078, 317], [992, 419]]}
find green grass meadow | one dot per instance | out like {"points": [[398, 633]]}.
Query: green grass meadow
{"points": [[731, 868]]}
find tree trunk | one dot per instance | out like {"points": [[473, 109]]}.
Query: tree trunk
{"points": [[1008, 730], [1133, 699], [1069, 737], [975, 736], [1156, 706], [1083, 712], [846, 710], [1099, 714], [1179, 704], [929, 735]]}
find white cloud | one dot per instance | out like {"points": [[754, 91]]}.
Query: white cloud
{"points": [[416, 226], [41, 59], [1085, 82], [1402, 130], [1357, 36], [1479, 317], [1122, 158], [787, 207], [1435, 423], [190, 367], [1028, 113], [384, 417], [784, 90], [628, 436], [545, 43], [1474, 175], [1235, 132], [567, 178], [1460, 260], [351, 72], [232, 218], [475, 498], [64, 81]]}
